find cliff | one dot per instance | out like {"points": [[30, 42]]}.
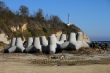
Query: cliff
{"points": [[22, 24]]}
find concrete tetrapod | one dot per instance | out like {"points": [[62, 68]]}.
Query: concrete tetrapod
{"points": [[45, 47], [62, 39], [44, 41], [30, 41], [72, 41], [19, 45], [72, 37], [72, 44], [29, 45], [52, 43], [12, 46], [37, 44], [53, 46], [13, 42], [65, 45], [79, 43]]}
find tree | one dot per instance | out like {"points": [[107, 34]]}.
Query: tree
{"points": [[55, 21], [2, 5], [23, 11], [38, 25], [39, 16]]}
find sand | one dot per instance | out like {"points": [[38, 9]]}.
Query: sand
{"points": [[12, 67], [21, 63]]}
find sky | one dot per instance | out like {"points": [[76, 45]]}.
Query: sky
{"points": [[92, 16]]}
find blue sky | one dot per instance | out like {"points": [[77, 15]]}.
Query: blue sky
{"points": [[92, 16]]}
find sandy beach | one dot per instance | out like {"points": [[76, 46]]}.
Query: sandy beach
{"points": [[22, 63], [12, 67]]}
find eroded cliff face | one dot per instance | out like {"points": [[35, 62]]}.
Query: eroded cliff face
{"points": [[4, 38], [84, 36], [18, 28], [24, 28]]}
